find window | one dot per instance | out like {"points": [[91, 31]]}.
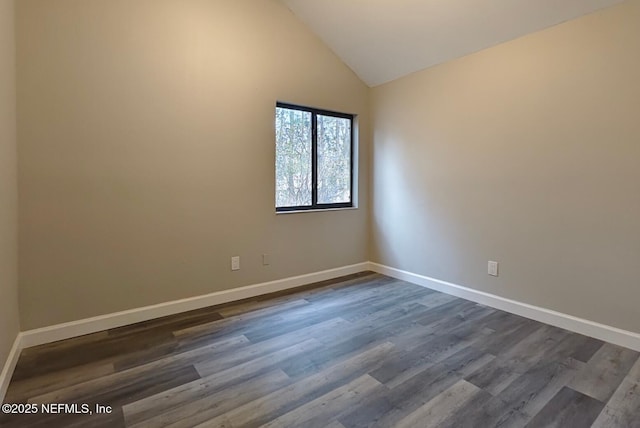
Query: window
{"points": [[314, 159]]}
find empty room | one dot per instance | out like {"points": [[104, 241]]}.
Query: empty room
{"points": [[305, 213]]}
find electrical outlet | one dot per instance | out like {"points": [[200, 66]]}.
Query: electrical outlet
{"points": [[493, 268], [235, 263], [266, 260]]}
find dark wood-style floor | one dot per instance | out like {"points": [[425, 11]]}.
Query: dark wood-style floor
{"points": [[365, 350]]}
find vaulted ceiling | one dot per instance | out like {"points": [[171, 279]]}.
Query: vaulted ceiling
{"points": [[382, 40]]}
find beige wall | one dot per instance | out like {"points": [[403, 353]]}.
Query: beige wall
{"points": [[147, 151], [9, 325], [527, 153], [146, 160]]}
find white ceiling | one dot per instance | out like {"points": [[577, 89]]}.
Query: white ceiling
{"points": [[382, 40]]}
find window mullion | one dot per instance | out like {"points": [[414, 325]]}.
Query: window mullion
{"points": [[314, 159]]}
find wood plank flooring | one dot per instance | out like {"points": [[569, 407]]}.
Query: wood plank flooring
{"points": [[361, 351]]}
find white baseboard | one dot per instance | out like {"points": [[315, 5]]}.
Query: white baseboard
{"points": [[105, 322], [10, 366], [603, 332]]}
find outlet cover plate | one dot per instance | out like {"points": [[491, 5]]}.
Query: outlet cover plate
{"points": [[493, 268]]}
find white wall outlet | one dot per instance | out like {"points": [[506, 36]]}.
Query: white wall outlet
{"points": [[235, 263], [266, 260], [493, 268]]}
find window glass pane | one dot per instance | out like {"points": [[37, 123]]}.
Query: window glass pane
{"points": [[293, 158], [334, 160]]}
